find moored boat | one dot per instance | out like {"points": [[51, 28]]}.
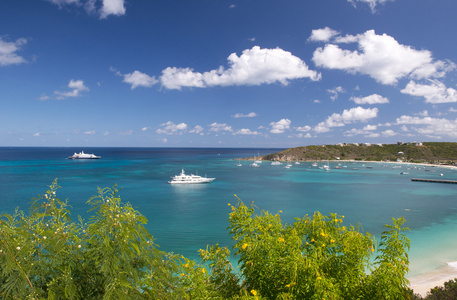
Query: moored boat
{"points": [[192, 179], [82, 155]]}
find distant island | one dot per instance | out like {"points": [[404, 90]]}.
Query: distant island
{"points": [[444, 153]]}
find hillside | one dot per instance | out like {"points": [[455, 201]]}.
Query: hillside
{"points": [[429, 152]]}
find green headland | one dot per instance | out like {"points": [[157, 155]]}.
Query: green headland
{"points": [[427, 152]]}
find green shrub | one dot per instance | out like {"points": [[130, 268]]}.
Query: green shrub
{"points": [[44, 255]]}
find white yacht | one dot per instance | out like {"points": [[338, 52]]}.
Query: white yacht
{"points": [[183, 178], [82, 155]]}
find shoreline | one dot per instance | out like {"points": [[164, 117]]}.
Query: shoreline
{"points": [[422, 283]]}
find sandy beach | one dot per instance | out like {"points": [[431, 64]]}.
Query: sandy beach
{"points": [[421, 284]]}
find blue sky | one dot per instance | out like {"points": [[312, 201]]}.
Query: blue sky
{"points": [[219, 73]]}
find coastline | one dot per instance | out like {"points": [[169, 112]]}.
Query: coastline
{"points": [[421, 284]]}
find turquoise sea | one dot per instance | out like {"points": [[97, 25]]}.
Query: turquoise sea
{"points": [[186, 218]]}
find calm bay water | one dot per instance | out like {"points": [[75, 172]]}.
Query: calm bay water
{"points": [[184, 218]]}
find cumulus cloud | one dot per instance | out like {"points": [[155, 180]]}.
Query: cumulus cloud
{"points": [[254, 66], [372, 99], [197, 130], [245, 131], [304, 128], [322, 35], [381, 57], [137, 79], [76, 86], [431, 127], [8, 52], [171, 128], [112, 7], [249, 115], [356, 114], [216, 127], [434, 92], [108, 7], [388, 133], [280, 126]]}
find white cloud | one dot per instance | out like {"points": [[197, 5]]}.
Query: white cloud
{"points": [[60, 3], [137, 79], [356, 114], [145, 129], [76, 86], [435, 92], [381, 57], [371, 3], [245, 131], [249, 115], [171, 128], [304, 128], [322, 35], [366, 132], [255, 66], [432, 127], [370, 127], [280, 126], [372, 99], [91, 132], [8, 52], [108, 7], [216, 127], [197, 130], [112, 7], [334, 92], [36, 134], [388, 133]]}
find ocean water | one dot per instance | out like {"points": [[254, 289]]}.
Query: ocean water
{"points": [[186, 218]]}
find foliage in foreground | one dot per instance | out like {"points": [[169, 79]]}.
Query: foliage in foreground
{"points": [[44, 255]]}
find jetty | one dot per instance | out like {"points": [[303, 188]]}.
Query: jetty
{"points": [[434, 180]]}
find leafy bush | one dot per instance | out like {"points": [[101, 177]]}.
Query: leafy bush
{"points": [[44, 255]]}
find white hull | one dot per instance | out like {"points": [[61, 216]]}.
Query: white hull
{"points": [[82, 155], [192, 182], [189, 179]]}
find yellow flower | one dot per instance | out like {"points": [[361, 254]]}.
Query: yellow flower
{"points": [[281, 239], [312, 240], [319, 278], [280, 211], [288, 286], [332, 241], [254, 292], [244, 246], [229, 203], [203, 270]]}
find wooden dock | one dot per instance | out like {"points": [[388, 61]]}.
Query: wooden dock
{"points": [[434, 180]]}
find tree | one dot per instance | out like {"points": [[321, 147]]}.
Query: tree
{"points": [[314, 258], [44, 255]]}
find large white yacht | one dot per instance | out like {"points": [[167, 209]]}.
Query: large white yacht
{"points": [[82, 155], [183, 178]]}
